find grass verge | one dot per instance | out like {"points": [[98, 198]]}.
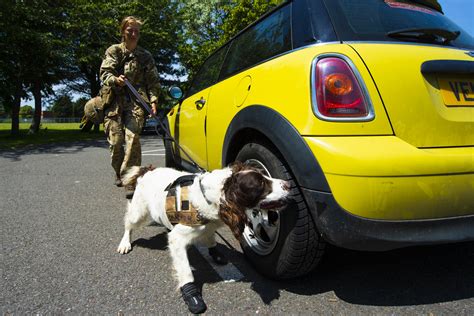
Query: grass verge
{"points": [[49, 133]]}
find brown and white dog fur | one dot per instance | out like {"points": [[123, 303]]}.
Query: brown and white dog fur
{"points": [[221, 196]]}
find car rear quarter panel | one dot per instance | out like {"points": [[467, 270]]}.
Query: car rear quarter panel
{"points": [[413, 101]]}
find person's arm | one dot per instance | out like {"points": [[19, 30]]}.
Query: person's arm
{"points": [[108, 69]]}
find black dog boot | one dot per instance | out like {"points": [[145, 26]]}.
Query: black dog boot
{"points": [[192, 297], [217, 256]]}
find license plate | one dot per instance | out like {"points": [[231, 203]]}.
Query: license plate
{"points": [[457, 91]]}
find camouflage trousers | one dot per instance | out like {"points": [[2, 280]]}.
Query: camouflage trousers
{"points": [[124, 130]]}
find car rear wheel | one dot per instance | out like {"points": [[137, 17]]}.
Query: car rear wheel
{"points": [[282, 244]]}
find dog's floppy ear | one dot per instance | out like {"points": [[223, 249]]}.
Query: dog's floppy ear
{"points": [[233, 217], [231, 212]]}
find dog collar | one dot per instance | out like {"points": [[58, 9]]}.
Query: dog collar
{"points": [[203, 192]]}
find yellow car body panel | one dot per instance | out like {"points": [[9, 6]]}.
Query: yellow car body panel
{"points": [[287, 91], [192, 129], [414, 101], [404, 198], [387, 178], [171, 117]]}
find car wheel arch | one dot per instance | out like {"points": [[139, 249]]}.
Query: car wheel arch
{"points": [[261, 123]]}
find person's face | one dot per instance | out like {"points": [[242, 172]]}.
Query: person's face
{"points": [[132, 32]]}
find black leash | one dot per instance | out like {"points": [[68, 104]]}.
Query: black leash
{"points": [[166, 130]]}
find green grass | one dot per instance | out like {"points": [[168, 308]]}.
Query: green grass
{"points": [[49, 133]]}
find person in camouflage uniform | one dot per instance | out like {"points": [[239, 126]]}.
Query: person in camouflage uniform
{"points": [[124, 118]]}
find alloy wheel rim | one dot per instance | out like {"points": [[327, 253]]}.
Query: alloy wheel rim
{"points": [[261, 233]]}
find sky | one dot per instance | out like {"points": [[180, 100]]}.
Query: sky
{"points": [[461, 12]]}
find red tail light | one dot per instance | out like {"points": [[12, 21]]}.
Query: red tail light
{"points": [[338, 93]]}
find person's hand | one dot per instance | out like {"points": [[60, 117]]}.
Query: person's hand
{"points": [[120, 81], [154, 108]]}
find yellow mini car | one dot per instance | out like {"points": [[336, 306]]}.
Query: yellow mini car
{"points": [[365, 106]]}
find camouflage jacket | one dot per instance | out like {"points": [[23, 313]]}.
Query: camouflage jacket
{"points": [[138, 66]]}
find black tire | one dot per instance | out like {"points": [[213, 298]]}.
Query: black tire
{"points": [[297, 246], [170, 161]]}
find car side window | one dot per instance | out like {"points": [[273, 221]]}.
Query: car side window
{"points": [[209, 72], [269, 37]]}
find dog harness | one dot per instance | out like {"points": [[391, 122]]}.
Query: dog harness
{"points": [[179, 208]]}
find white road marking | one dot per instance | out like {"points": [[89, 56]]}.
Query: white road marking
{"points": [[228, 273], [152, 151]]}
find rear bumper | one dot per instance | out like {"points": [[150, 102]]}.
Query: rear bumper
{"points": [[385, 178], [343, 229]]}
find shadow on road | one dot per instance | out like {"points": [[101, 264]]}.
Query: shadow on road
{"points": [[411, 276], [158, 242], [402, 277]]}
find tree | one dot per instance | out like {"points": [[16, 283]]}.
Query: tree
{"points": [[78, 106], [33, 59], [201, 32], [94, 26], [62, 106], [208, 24], [26, 111], [12, 64], [243, 13], [46, 42]]}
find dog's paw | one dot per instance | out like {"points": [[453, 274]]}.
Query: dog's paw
{"points": [[193, 298], [124, 247]]}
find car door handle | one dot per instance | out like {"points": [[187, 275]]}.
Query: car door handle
{"points": [[200, 103]]}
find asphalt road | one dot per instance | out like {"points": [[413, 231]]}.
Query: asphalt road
{"points": [[61, 221]]}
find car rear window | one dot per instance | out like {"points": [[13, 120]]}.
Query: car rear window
{"points": [[371, 20]]}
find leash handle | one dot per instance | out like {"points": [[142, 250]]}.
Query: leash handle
{"points": [[167, 132]]}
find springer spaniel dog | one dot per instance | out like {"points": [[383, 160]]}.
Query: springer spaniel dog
{"points": [[193, 207]]}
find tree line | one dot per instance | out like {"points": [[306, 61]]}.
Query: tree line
{"points": [[49, 42]]}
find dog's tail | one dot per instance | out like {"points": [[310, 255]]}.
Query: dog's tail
{"points": [[133, 173]]}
